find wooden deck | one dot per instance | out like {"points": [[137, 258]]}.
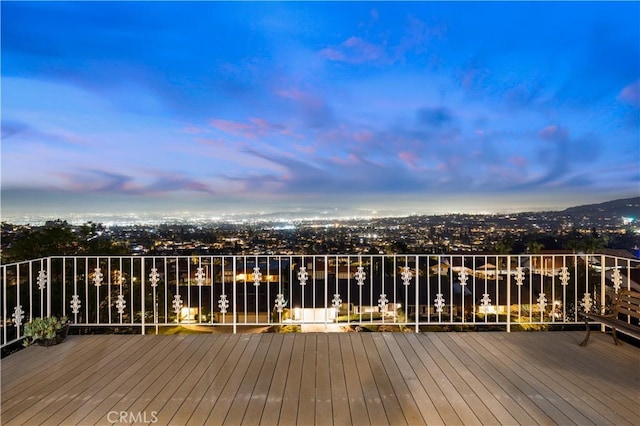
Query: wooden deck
{"points": [[485, 378]]}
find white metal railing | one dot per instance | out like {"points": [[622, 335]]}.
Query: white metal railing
{"points": [[264, 290]]}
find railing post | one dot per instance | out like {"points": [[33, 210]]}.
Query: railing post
{"points": [[4, 304], [49, 287], [508, 294], [417, 302], [143, 294], [602, 288], [326, 287], [235, 313]]}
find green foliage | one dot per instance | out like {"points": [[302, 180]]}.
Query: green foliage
{"points": [[277, 316], [43, 329], [289, 328]]}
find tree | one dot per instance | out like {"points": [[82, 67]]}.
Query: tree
{"points": [[58, 238], [534, 247]]}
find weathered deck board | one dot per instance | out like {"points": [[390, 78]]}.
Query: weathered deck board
{"points": [[338, 386], [500, 391], [180, 405], [484, 405], [406, 372], [307, 392], [348, 378], [265, 376], [209, 391], [357, 405], [554, 360], [371, 394], [324, 400], [407, 402], [271, 412]]}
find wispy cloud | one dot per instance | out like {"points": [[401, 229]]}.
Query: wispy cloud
{"points": [[254, 128], [101, 181], [554, 133], [314, 100], [355, 50], [631, 94]]}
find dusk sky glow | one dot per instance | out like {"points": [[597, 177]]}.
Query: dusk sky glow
{"points": [[415, 107]]}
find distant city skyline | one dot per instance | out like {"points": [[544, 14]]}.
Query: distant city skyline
{"points": [[335, 107]]}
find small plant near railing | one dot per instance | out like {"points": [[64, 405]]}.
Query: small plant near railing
{"points": [[285, 328], [46, 331]]}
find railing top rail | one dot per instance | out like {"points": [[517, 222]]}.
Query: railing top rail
{"points": [[615, 258]]}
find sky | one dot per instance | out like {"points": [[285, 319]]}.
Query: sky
{"points": [[414, 107]]}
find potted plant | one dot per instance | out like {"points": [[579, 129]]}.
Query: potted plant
{"points": [[46, 331]]}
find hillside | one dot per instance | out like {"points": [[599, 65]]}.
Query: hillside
{"points": [[627, 207]]}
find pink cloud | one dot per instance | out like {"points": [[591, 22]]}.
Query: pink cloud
{"points": [[333, 55], [363, 136], [349, 160], [294, 94], [254, 129], [354, 50], [519, 161], [554, 133], [214, 142], [472, 77], [305, 148], [194, 130], [409, 158], [630, 94]]}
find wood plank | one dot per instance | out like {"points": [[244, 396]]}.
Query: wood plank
{"points": [[37, 357], [337, 380], [258, 397], [18, 378], [429, 357], [496, 384], [539, 389], [247, 388], [110, 396], [407, 403], [372, 397], [289, 407], [174, 371], [428, 412], [81, 372], [164, 400], [390, 402], [459, 376], [179, 409], [307, 394], [618, 389], [271, 412], [414, 353], [357, 404], [518, 378], [46, 392], [324, 399], [578, 381], [241, 371], [209, 391], [30, 359]]}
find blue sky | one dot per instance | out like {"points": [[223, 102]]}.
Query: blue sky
{"points": [[414, 107]]}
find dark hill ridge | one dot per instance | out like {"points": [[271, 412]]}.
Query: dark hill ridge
{"points": [[627, 207]]}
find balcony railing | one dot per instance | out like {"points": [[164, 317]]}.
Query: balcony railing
{"points": [[406, 291]]}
